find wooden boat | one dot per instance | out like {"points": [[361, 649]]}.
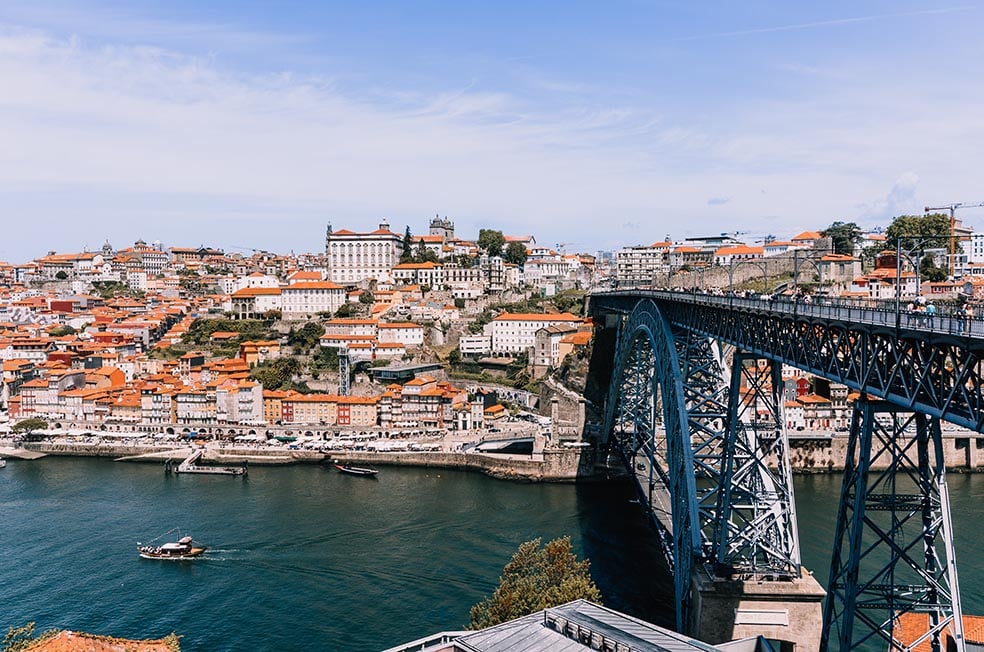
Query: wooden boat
{"points": [[356, 470], [183, 548]]}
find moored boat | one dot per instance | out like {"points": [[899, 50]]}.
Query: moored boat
{"points": [[356, 470], [183, 548], [3, 462]]}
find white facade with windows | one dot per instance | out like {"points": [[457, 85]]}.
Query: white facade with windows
{"points": [[352, 257], [307, 298], [515, 332]]}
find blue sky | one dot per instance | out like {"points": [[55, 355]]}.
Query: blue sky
{"points": [[248, 124]]}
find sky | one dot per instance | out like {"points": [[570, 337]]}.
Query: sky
{"points": [[592, 125]]}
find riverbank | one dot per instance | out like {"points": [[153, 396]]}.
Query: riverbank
{"points": [[549, 465]]}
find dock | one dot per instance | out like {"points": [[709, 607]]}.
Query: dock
{"points": [[189, 465]]}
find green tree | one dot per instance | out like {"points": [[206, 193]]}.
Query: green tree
{"points": [[919, 232], [406, 254], [29, 425], [515, 253], [491, 241], [22, 638], [61, 275], [345, 310], [423, 254], [278, 373], [846, 237], [366, 297], [306, 337], [61, 331], [454, 357], [536, 578]]}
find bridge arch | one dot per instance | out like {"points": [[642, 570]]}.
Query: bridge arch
{"points": [[647, 377]]}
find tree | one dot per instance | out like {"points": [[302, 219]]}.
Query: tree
{"points": [[846, 237], [366, 297], [23, 638], [406, 255], [454, 357], [61, 331], [919, 231], [491, 241], [345, 310], [29, 425], [423, 254], [536, 578], [61, 275], [515, 253]]}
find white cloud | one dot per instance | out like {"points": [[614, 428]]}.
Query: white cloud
{"points": [[144, 141]]}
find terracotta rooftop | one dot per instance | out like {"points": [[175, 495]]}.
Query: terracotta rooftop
{"points": [[68, 641]]}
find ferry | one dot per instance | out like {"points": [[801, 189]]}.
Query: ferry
{"points": [[183, 548]]}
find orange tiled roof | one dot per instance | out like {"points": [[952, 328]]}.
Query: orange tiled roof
{"points": [[68, 641]]}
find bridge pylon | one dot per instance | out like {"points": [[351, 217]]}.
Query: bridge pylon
{"points": [[893, 548], [753, 583]]}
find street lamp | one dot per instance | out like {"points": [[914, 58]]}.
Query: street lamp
{"points": [[919, 241]]}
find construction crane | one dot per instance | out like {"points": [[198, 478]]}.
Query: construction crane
{"points": [[953, 227]]}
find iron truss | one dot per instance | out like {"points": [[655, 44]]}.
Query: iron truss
{"points": [[893, 548], [755, 520], [937, 374], [656, 446], [710, 461]]}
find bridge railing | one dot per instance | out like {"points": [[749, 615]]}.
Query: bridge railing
{"points": [[862, 311]]}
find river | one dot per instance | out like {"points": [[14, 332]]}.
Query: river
{"points": [[305, 558]]}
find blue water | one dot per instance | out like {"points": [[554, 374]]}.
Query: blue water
{"points": [[304, 558], [301, 557]]}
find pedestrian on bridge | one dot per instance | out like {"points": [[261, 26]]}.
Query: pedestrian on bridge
{"points": [[930, 313]]}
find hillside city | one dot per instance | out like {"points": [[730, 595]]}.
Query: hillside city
{"points": [[385, 329]]}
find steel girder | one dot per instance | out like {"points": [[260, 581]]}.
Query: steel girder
{"points": [[938, 375], [646, 377], [705, 389], [756, 534], [893, 548]]}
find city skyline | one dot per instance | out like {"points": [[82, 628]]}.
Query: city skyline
{"points": [[253, 129]]}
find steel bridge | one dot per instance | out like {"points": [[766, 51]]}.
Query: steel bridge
{"points": [[695, 409]]}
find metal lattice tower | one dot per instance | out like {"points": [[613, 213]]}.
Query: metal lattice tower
{"points": [[344, 372], [893, 548], [757, 535]]}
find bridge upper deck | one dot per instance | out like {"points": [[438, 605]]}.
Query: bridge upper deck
{"points": [[871, 313], [927, 363]]}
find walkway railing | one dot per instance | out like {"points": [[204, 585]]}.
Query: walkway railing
{"points": [[861, 311]]}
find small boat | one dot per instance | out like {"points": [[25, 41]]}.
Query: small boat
{"points": [[183, 548], [355, 470], [3, 462]]}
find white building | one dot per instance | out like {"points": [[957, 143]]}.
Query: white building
{"points": [[640, 265], [352, 257], [515, 332], [431, 274], [251, 303], [406, 333], [475, 344], [307, 298]]}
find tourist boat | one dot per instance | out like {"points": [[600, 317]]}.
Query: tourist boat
{"points": [[183, 548], [356, 470]]}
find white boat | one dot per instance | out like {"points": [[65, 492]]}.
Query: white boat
{"points": [[183, 548], [3, 462]]}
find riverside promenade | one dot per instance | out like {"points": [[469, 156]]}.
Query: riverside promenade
{"points": [[543, 464]]}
